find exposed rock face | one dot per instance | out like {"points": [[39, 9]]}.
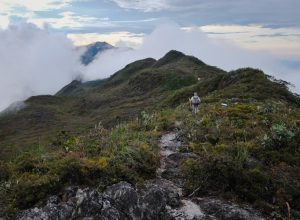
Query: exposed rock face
{"points": [[119, 201], [160, 198]]}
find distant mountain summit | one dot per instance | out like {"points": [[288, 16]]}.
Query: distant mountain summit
{"points": [[93, 50]]}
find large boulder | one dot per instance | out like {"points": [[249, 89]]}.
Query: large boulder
{"points": [[124, 198]]}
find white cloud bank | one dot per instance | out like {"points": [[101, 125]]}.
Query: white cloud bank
{"points": [[34, 61]]}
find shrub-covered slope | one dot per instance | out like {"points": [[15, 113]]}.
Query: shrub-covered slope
{"points": [[248, 151], [141, 85]]}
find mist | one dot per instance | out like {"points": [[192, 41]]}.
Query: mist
{"points": [[34, 61], [221, 53]]}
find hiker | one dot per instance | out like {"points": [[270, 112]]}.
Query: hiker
{"points": [[195, 101]]}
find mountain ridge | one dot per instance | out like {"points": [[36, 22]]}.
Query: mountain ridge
{"points": [[140, 85]]}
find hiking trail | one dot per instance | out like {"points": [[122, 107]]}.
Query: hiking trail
{"points": [[169, 176]]}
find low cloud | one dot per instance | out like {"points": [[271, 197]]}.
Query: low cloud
{"points": [[222, 53], [33, 62]]}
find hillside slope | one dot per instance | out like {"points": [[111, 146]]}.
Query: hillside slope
{"points": [[142, 85], [79, 106]]}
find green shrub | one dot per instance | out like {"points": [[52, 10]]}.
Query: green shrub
{"points": [[239, 154], [211, 174], [146, 121], [27, 162], [65, 141], [219, 175], [31, 188], [279, 137], [74, 170], [287, 187]]}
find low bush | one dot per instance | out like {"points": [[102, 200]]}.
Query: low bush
{"points": [[31, 188], [279, 137]]}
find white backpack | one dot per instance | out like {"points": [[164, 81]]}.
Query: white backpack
{"points": [[195, 100]]}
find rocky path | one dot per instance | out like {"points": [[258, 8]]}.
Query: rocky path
{"points": [[170, 177], [161, 198]]}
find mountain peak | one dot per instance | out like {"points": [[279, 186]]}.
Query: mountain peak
{"points": [[174, 56], [92, 51], [101, 44]]}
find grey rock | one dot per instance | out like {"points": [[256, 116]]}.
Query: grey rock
{"points": [[153, 203], [226, 210], [109, 212], [74, 204], [252, 163], [124, 197]]}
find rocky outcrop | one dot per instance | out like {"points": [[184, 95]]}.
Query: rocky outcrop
{"points": [[119, 201]]}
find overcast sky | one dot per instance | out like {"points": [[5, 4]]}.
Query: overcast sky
{"points": [[254, 28]]}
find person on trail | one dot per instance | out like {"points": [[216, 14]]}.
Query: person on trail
{"points": [[195, 101]]}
